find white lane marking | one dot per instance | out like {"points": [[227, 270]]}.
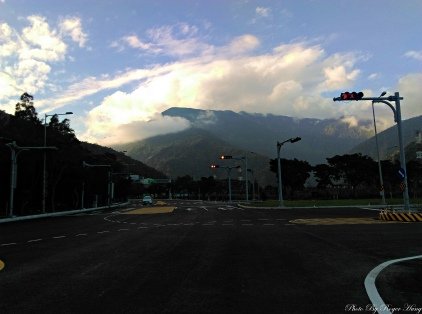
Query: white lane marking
{"points": [[34, 240], [208, 224], [143, 227], [105, 231], [372, 291], [189, 224], [123, 230], [8, 244], [227, 224], [263, 219], [59, 237], [81, 235]]}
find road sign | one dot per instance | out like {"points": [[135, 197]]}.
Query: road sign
{"points": [[402, 173]]}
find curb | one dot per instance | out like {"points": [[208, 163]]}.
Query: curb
{"points": [[404, 217], [64, 213]]}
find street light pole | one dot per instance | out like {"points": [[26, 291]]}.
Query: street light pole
{"points": [[15, 150], [228, 169], [44, 180], [85, 164], [280, 188], [379, 160]]}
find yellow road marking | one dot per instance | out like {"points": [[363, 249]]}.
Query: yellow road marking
{"points": [[151, 210], [339, 221], [161, 203], [1, 264]]}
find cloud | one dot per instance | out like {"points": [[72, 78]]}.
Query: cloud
{"points": [[410, 89], [109, 133], [72, 26], [178, 40], [263, 12], [417, 55], [291, 81], [27, 56]]}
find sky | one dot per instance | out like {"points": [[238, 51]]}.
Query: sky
{"points": [[118, 64]]}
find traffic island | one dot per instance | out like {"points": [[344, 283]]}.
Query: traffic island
{"points": [[389, 215]]}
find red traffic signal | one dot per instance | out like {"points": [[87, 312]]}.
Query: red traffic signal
{"points": [[226, 157], [351, 96]]}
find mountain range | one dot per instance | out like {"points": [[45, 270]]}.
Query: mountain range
{"points": [[213, 133]]}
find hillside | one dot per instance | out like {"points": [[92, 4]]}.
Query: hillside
{"points": [[388, 139], [68, 185], [192, 152]]}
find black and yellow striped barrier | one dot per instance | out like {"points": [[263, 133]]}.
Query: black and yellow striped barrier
{"points": [[400, 216]]}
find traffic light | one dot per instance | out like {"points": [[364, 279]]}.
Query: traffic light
{"points": [[351, 96], [226, 157], [215, 166]]}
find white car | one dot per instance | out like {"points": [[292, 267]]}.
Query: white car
{"points": [[147, 200]]}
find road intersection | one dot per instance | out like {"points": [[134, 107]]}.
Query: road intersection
{"points": [[205, 257]]}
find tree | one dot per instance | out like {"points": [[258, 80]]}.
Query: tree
{"points": [[294, 173], [324, 175], [25, 109], [63, 127], [354, 169]]}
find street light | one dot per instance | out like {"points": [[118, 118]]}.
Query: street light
{"points": [[44, 181], [85, 164], [15, 150], [245, 159], [280, 190], [228, 169]]}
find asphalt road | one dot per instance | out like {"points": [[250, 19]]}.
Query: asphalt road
{"points": [[208, 258]]}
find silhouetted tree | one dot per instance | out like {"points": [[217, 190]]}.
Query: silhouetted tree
{"points": [[25, 109]]}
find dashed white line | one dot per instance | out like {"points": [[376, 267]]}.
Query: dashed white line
{"points": [[59, 237], [81, 235], [143, 227], [105, 231], [8, 244], [123, 230], [34, 240]]}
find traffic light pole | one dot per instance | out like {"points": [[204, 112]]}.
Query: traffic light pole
{"points": [[397, 118]]}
